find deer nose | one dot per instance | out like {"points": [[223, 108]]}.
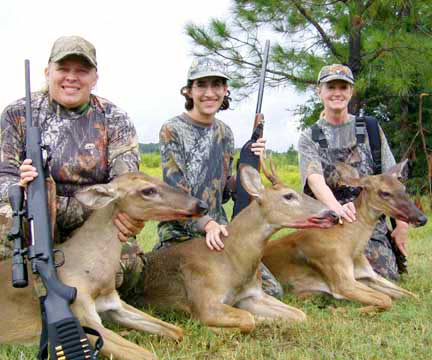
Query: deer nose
{"points": [[202, 207], [422, 220]]}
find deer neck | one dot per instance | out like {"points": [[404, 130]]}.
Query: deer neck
{"points": [[100, 230], [248, 234], [365, 213]]}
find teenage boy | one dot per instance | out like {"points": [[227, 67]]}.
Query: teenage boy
{"points": [[196, 155]]}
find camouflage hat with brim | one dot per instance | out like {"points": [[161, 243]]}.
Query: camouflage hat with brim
{"points": [[73, 45], [205, 67], [335, 72]]}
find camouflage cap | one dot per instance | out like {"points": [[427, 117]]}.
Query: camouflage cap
{"points": [[335, 72], [73, 45], [204, 67]]}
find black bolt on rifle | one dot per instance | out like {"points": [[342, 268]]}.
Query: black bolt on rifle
{"points": [[242, 198], [61, 331]]}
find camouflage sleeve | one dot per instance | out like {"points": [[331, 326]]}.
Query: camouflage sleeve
{"points": [[387, 158], [309, 159], [11, 149], [172, 158], [122, 142]]}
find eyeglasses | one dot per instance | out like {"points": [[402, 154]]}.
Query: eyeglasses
{"points": [[215, 85]]}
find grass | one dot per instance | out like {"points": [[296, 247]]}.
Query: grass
{"points": [[334, 329]]}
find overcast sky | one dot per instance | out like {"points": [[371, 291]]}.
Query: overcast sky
{"points": [[143, 56]]}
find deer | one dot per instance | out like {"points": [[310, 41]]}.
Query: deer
{"points": [[333, 260], [223, 289], [92, 258]]}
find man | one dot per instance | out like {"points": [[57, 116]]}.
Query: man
{"points": [[196, 154], [87, 137]]}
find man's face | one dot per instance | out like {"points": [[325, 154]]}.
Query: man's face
{"points": [[335, 95], [207, 95], [70, 81]]}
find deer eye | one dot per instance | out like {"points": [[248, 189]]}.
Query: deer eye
{"points": [[289, 196], [148, 191], [384, 194]]}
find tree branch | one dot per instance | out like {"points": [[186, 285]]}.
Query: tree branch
{"points": [[320, 30]]}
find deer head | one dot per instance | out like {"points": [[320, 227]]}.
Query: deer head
{"points": [[282, 206], [384, 193], [143, 197]]}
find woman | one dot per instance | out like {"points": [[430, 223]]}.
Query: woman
{"points": [[333, 138], [86, 136]]}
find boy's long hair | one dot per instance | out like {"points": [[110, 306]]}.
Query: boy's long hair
{"points": [[189, 101]]}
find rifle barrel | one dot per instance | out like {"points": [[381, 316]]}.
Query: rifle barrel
{"points": [[28, 93], [262, 76]]}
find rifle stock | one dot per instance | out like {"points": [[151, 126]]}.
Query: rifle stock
{"points": [[246, 155], [60, 329]]}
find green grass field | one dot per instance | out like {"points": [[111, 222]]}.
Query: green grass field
{"points": [[334, 329]]}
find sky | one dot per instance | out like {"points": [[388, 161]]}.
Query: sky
{"points": [[143, 55]]}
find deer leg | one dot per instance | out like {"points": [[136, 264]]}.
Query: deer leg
{"points": [[114, 345], [364, 273], [224, 316], [340, 277], [265, 307], [133, 318]]}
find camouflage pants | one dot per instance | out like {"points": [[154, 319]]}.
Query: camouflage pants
{"points": [[381, 256], [269, 283]]}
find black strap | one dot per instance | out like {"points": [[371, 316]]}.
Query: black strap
{"points": [[363, 123], [318, 136], [374, 141], [360, 131]]}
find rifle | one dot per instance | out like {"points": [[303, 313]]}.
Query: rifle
{"points": [[242, 198], [67, 339], [401, 260]]}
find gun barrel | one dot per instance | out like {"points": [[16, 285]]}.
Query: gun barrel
{"points": [[27, 93], [262, 76]]}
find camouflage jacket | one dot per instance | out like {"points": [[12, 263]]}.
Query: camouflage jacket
{"points": [[83, 146], [342, 146], [198, 159]]}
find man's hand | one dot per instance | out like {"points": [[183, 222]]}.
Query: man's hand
{"points": [[258, 147], [27, 173], [400, 236], [127, 226], [213, 235]]}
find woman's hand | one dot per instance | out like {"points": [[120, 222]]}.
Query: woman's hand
{"points": [[213, 235], [347, 212], [400, 236], [27, 173], [127, 226]]}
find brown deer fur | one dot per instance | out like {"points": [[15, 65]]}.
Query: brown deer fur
{"points": [[333, 260], [223, 289], [92, 259]]}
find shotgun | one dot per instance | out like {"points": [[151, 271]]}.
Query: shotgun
{"points": [[61, 331], [242, 198]]}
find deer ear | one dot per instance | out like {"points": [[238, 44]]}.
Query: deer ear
{"points": [[251, 181], [347, 175], [399, 171], [96, 196]]}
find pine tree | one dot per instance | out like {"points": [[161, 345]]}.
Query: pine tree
{"points": [[386, 43]]}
